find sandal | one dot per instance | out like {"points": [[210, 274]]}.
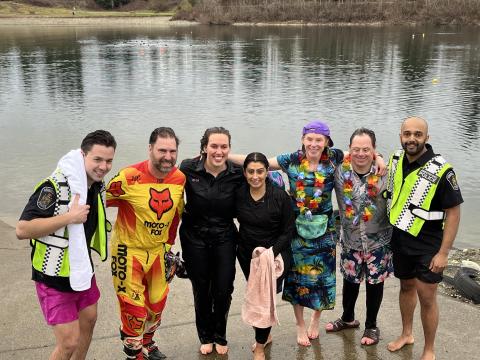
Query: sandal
{"points": [[339, 325], [373, 334]]}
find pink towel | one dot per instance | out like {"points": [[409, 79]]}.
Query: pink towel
{"points": [[259, 306]]}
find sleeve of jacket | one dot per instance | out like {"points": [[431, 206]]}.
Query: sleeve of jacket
{"points": [[116, 190], [288, 224]]}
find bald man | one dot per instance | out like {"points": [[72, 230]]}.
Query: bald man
{"points": [[424, 209]]}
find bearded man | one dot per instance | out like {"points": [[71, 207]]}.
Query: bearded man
{"points": [[149, 197], [424, 209]]}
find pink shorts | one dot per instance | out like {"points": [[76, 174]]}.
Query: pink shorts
{"points": [[60, 307]]}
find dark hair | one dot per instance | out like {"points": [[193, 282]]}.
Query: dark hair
{"points": [[163, 132], [98, 137], [364, 131], [256, 157], [211, 131]]}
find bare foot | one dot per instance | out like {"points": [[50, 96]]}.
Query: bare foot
{"points": [[428, 355], [221, 349], [269, 341], [367, 341], [206, 349], [302, 337], [312, 331], [400, 343], [259, 352]]}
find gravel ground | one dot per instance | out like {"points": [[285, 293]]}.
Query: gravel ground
{"points": [[455, 259]]}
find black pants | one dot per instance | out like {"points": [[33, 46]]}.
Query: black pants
{"points": [[211, 269], [373, 302]]}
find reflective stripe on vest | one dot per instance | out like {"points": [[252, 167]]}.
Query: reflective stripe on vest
{"points": [[411, 197], [51, 252]]}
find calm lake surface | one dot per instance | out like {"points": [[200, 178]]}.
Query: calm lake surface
{"points": [[262, 83]]}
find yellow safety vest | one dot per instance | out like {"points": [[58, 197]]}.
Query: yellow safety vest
{"points": [[410, 198], [50, 253]]}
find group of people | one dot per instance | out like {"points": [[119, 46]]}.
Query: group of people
{"points": [[399, 219]]}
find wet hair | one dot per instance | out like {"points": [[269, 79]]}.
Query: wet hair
{"points": [[211, 131], [163, 132], [255, 157], [98, 137], [364, 131]]}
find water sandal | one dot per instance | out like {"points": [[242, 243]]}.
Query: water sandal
{"points": [[339, 325], [373, 334]]}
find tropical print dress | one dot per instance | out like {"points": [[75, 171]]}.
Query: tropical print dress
{"points": [[311, 282]]}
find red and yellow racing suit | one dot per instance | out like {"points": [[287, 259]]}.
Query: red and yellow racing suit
{"points": [[149, 211]]}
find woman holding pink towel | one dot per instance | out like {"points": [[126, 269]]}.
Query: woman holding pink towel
{"points": [[266, 220]]}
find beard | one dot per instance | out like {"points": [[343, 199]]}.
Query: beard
{"points": [[164, 166], [412, 151]]}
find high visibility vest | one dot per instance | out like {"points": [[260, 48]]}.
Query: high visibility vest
{"points": [[410, 198], [50, 253]]}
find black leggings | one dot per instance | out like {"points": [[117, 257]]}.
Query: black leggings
{"points": [[211, 269], [244, 256], [373, 302]]}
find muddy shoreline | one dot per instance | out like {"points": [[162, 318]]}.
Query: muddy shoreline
{"points": [[455, 259], [161, 21]]}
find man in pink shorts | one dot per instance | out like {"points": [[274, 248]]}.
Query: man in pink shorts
{"points": [[62, 266]]}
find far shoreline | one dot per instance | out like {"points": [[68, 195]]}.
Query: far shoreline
{"points": [[165, 21]]}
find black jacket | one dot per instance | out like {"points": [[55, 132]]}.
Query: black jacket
{"points": [[210, 206]]}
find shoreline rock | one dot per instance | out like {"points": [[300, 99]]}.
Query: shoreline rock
{"points": [[455, 259]]}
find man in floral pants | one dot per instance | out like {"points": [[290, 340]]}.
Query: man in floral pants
{"points": [[365, 234]]}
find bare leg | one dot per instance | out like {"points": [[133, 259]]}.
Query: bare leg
{"points": [[87, 319], [206, 349], [427, 294], [313, 331], [302, 337], [67, 336], [408, 302]]}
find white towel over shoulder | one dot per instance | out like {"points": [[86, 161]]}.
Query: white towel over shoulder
{"points": [[259, 306], [72, 166]]}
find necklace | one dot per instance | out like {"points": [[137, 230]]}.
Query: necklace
{"points": [[368, 201], [304, 203]]}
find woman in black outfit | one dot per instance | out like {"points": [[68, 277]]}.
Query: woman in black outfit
{"points": [[208, 235], [266, 219]]}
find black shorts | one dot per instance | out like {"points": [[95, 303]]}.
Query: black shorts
{"points": [[415, 266]]}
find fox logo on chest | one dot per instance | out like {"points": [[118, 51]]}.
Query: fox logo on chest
{"points": [[160, 202]]}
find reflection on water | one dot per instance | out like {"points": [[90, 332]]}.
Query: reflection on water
{"points": [[262, 83]]}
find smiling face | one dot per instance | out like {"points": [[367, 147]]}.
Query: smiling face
{"points": [[98, 162], [413, 137], [314, 145], [256, 174], [362, 153], [216, 151], [163, 156]]}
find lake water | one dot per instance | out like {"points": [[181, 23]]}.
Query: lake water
{"points": [[262, 83]]}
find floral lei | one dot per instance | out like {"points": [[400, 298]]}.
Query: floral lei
{"points": [[372, 191], [303, 204]]}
